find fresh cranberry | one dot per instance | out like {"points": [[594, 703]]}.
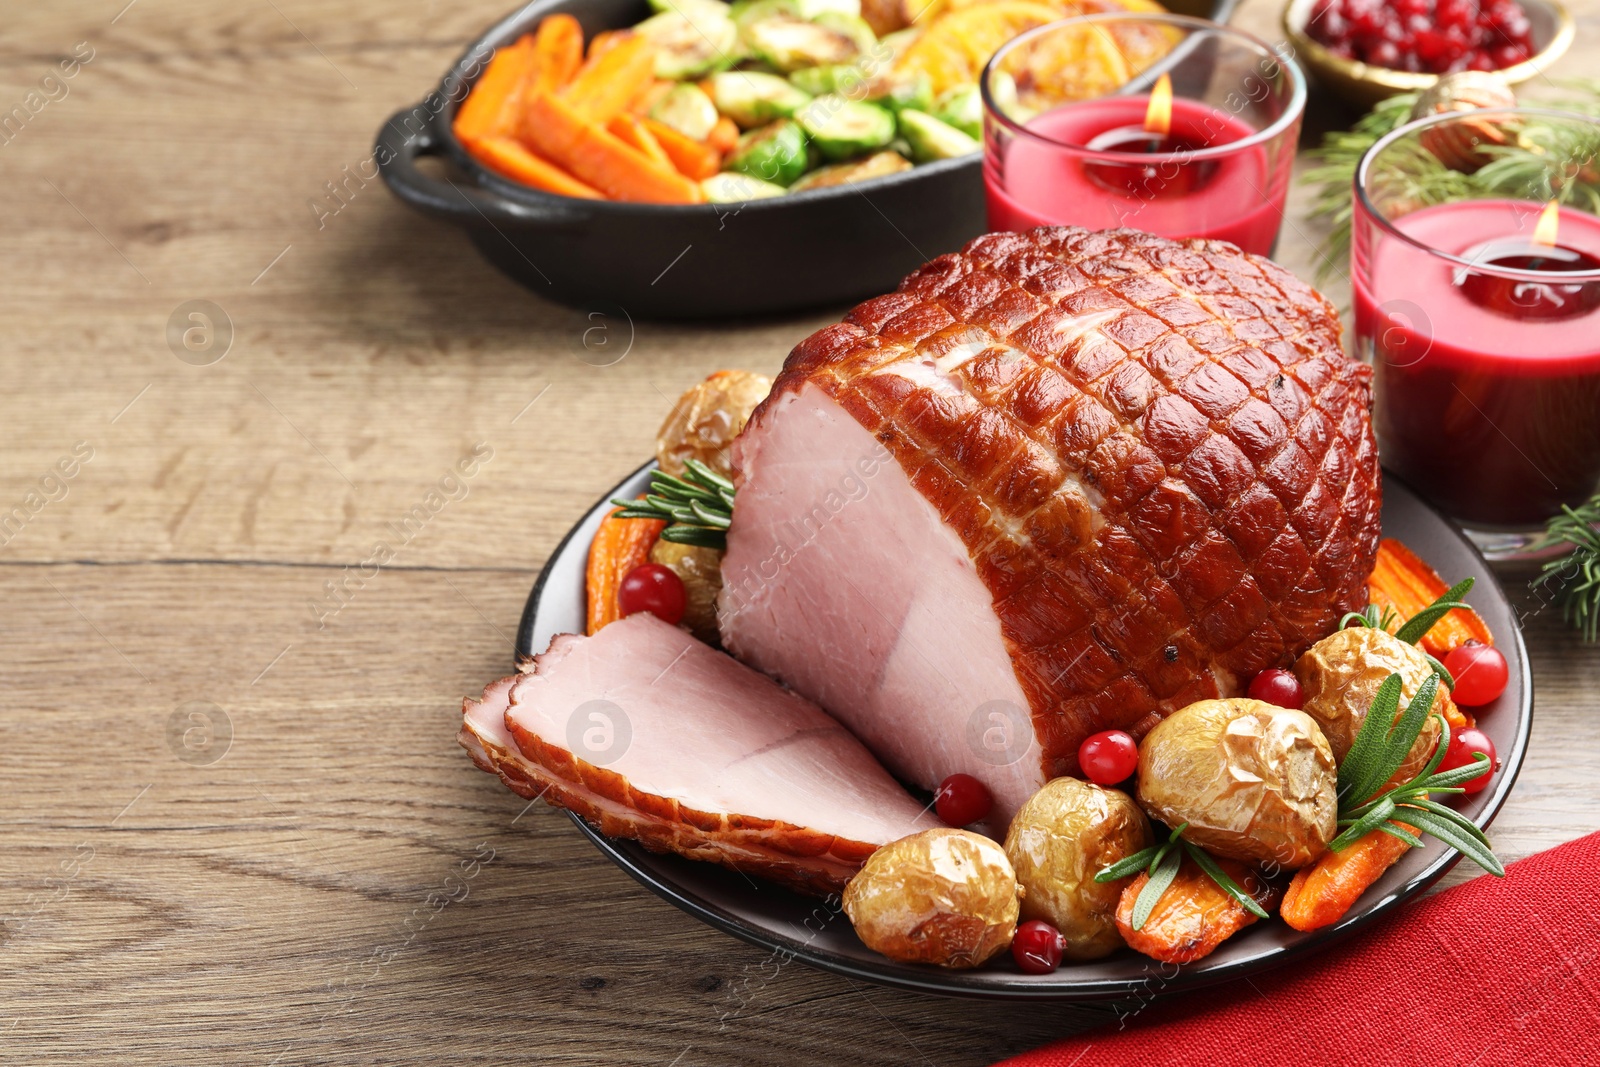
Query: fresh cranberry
{"points": [[962, 800], [1037, 947], [1480, 672], [1108, 757], [1280, 688], [1464, 747], [653, 588]]}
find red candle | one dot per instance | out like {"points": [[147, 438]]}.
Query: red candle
{"points": [[1180, 191], [1488, 385]]}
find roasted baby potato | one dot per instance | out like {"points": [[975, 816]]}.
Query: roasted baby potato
{"points": [[706, 419], [1254, 782], [946, 897], [701, 572], [1341, 674], [1066, 833]]}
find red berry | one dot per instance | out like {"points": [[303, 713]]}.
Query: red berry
{"points": [[1037, 947], [1280, 688], [653, 588], [1480, 672], [962, 800], [1464, 748], [1108, 757]]}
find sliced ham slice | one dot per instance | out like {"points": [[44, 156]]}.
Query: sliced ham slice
{"points": [[651, 735]]}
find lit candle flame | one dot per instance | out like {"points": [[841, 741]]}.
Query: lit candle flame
{"points": [[1158, 116], [1544, 232]]}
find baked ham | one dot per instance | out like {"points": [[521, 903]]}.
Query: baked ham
{"points": [[651, 735], [1057, 483]]}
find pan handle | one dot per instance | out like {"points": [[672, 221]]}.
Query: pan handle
{"points": [[399, 146]]}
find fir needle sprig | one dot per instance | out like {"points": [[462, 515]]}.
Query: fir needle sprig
{"points": [[697, 507], [1161, 862], [1575, 577], [1381, 747]]}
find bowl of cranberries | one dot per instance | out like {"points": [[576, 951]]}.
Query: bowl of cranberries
{"points": [[1367, 50]]}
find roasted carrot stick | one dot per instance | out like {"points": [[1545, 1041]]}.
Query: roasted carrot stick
{"points": [[508, 157], [619, 545], [1194, 915], [649, 96], [1321, 893], [631, 131], [1403, 582], [491, 109], [605, 39], [608, 82], [724, 135], [563, 136], [694, 159], [558, 44]]}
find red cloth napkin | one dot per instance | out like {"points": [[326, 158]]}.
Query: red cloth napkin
{"points": [[1493, 971]]}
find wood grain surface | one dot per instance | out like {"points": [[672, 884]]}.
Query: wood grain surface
{"points": [[237, 828]]}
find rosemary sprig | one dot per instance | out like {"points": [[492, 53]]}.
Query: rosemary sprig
{"points": [[697, 507], [1417, 627], [1162, 863], [1575, 577], [1382, 745]]}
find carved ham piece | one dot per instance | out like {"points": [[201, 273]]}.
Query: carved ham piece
{"points": [[649, 734], [1059, 482]]}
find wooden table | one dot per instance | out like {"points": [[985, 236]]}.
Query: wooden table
{"points": [[237, 825]]}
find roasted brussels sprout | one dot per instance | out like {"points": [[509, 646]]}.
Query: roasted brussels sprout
{"points": [[843, 129], [687, 109], [931, 139], [730, 188], [690, 43], [788, 43], [751, 98], [961, 107], [874, 166], [1341, 674], [706, 419], [1059, 840], [1254, 782], [947, 897], [774, 153]]}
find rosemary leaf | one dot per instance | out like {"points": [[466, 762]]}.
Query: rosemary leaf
{"points": [[1215, 872], [1380, 814], [1128, 865], [1454, 777], [1160, 878], [1395, 830], [1451, 830], [1575, 577], [698, 536], [707, 476], [708, 517], [1420, 623], [1401, 739], [1368, 746]]}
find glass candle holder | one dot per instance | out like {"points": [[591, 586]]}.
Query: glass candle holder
{"points": [[1475, 262], [1172, 125]]}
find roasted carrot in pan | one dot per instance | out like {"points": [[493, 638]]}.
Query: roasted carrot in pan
{"points": [[632, 131], [1319, 895], [608, 82], [1194, 915], [619, 545], [555, 130], [558, 46], [693, 159], [724, 135], [1403, 582], [493, 106], [508, 157]]}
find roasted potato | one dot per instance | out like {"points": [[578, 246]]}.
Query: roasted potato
{"points": [[1341, 674], [706, 419], [1059, 840], [947, 897], [1254, 782], [701, 572]]}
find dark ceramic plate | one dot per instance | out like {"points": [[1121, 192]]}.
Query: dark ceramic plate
{"points": [[809, 930], [823, 247]]}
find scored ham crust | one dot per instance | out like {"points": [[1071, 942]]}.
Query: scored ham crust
{"points": [[704, 757], [1098, 475]]}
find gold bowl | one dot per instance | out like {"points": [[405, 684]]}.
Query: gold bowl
{"points": [[1364, 85]]}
